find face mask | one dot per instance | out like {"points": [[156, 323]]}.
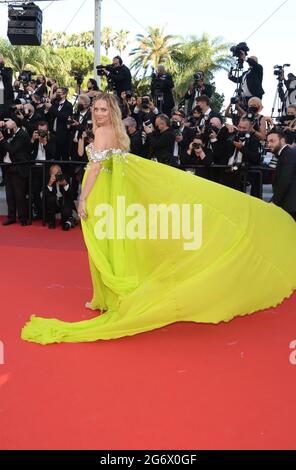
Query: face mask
{"points": [[80, 107], [89, 87], [49, 84], [59, 98], [38, 82], [253, 109]]}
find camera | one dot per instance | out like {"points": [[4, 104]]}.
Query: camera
{"points": [[43, 134], [79, 77], [238, 49], [234, 100], [251, 116], [60, 177], [192, 121], [101, 69], [241, 136], [128, 94], [175, 125], [25, 76], [284, 119], [196, 146], [279, 69]]}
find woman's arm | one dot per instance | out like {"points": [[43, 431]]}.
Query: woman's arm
{"points": [[95, 168]]}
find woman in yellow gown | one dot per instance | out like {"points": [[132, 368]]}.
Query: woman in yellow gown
{"points": [[204, 253]]}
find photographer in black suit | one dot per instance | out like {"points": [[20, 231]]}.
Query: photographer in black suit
{"points": [[6, 89], [196, 89], [137, 147], [162, 140], [15, 148], [162, 90], [58, 115], [285, 178], [120, 76], [59, 199], [251, 80], [43, 148]]}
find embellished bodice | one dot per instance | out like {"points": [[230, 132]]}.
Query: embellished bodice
{"points": [[105, 157]]}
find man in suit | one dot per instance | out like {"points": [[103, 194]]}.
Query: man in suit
{"points": [[251, 80], [196, 89], [78, 126], [162, 140], [120, 76], [58, 115], [59, 199], [162, 86], [203, 104], [43, 148], [284, 186], [137, 147], [15, 148], [28, 117]]}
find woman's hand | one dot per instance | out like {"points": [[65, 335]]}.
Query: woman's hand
{"points": [[82, 209]]}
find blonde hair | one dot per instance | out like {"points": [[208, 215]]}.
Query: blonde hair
{"points": [[255, 101], [121, 136]]}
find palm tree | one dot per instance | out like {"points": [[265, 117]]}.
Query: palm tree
{"points": [[107, 38], [200, 54], [154, 49], [120, 40]]}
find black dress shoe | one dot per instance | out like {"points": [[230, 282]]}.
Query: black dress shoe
{"points": [[24, 223], [66, 225], [8, 222]]}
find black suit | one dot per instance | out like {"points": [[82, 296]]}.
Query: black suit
{"points": [[122, 79], [285, 181], [54, 205], [162, 86], [254, 77], [37, 171], [162, 145], [191, 95], [137, 147], [61, 113], [16, 176]]}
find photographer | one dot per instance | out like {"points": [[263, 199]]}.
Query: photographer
{"points": [[198, 154], [184, 134], [28, 117], [59, 199], [39, 105], [288, 123], [137, 147], [43, 148], [284, 186], [41, 88], [6, 90], [87, 137], [93, 89], [145, 110], [246, 154], [203, 107], [78, 123], [15, 148], [120, 75], [162, 140], [161, 90], [251, 80], [198, 88], [58, 114], [53, 86]]}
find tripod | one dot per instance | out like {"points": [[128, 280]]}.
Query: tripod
{"points": [[278, 102], [235, 72]]}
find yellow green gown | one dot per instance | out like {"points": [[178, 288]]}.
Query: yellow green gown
{"points": [[245, 260]]}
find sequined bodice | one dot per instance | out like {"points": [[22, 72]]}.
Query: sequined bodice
{"points": [[105, 157]]}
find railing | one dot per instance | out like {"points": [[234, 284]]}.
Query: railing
{"points": [[36, 164]]}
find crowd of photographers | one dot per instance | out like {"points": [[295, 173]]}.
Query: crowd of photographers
{"points": [[38, 123]]}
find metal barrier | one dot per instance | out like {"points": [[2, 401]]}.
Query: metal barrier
{"points": [[34, 164]]}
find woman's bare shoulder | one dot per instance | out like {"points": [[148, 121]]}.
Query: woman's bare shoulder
{"points": [[104, 138]]}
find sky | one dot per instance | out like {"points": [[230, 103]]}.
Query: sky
{"points": [[233, 20]]}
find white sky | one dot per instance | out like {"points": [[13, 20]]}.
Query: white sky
{"points": [[234, 20]]}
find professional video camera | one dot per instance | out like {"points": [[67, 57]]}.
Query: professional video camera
{"points": [[101, 69], [239, 49], [279, 71]]}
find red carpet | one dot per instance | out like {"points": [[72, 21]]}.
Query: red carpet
{"points": [[186, 386]]}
